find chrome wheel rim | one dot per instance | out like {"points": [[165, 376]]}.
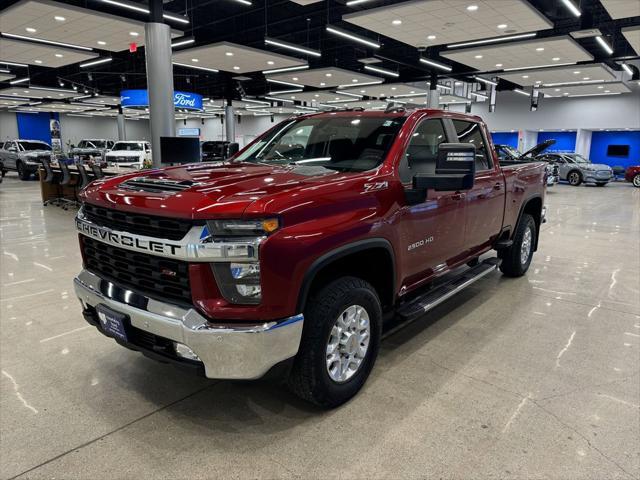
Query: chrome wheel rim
{"points": [[573, 179], [348, 343], [525, 248], [636, 181]]}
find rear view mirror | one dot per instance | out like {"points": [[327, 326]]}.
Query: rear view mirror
{"points": [[455, 169]]}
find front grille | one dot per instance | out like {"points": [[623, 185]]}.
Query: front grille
{"points": [[603, 173], [156, 277], [150, 226]]}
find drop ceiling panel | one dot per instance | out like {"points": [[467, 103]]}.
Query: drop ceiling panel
{"points": [[325, 77], [449, 21], [6, 76], [632, 34], [243, 59], [570, 73], [26, 91], [39, 54], [389, 90], [531, 53], [577, 90], [81, 26], [101, 99], [622, 8], [317, 96], [8, 102]]}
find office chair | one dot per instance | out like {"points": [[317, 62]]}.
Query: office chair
{"points": [[97, 171], [84, 177], [49, 178], [65, 203]]}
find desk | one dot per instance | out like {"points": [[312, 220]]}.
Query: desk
{"points": [[49, 191]]}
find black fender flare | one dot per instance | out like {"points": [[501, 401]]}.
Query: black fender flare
{"points": [[340, 252], [521, 212]]}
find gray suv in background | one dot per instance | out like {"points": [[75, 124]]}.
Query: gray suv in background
{"points": [[576, 169], [24, 156]]}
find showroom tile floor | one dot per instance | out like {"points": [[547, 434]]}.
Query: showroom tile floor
{"points": [[537, 377]]}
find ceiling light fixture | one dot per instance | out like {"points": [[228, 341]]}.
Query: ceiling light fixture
{"points": [[627, 68], [96, 62], [439, 65], [533, 67], [502, 26], [397, 22], [37, 61], [605, 46], [279, 99], [281, 92], [285, 69], [59, 55], [251, 100], [383, 71], [291, 46], [572, 8], [59, 18], [504, 38], [479, 95], [48, 42], [31, 30], [521, 92], [377, 82], [431, 37], [351, 36], [356, 2], [556, 59], [186, 65], [594, 94], [19, 80], [140, 9], [472, 8], [281, 82], [14, 64], [181, 42], [244, 2], [356, 95], [478, 57]]}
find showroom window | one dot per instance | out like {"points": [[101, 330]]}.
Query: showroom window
{"points": [[422, 151], [470, 132]]}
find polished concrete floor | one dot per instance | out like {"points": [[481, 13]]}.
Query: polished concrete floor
{"points": [[537, 377]]}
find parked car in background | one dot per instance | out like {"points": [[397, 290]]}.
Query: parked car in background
{"points": [[632, 174], [510, 156], [24, 156], [91, 150], [576, 169], [131, 154]]}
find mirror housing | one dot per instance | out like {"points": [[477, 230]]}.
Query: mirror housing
{"points": [[455, 169], [232, 149]]}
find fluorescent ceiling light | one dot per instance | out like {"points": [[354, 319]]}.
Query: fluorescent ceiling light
{"points": [[141, 9], [627, 68], [3, 70], [383, 71], [244, 2], [307, 108], [95, 62], [351, 36], [479, 95], [251, 100], [14, 64], [504, 38], [280, 92], [280, 82], [186, 65], [579, 82], [48, 42], [357, 95], [291, 46], [176, 18], [439, 65], [356, 2], [50, 89], [363, 84], [605, 46], [572, 8], [19, 80], [279, 99], [594, 94], [521, 92], [484, 80], [533, 67], [343, 101], [182, 41], [285, 69]]}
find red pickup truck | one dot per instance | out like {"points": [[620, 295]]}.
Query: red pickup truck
{"points": [[291, 255]]}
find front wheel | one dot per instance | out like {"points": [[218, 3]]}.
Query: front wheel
{"points": [[23, 172], [517, 258], [340, 342], [574, 178], [636, 181]]}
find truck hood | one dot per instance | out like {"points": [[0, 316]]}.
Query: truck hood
{"points": [[539, 148], [36, 153], [87, 150], [214, 190], [125, 153]]}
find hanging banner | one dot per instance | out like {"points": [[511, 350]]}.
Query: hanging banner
{"points": [[140, 99], [54, 129]]}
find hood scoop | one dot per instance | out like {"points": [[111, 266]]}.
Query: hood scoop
{"points": [[155, 185]]}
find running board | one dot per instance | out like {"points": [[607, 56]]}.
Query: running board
{"points": [[431, 299]]}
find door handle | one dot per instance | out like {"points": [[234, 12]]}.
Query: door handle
{"points": [[497, 186]]}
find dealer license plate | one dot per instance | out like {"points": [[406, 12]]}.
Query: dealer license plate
{"points": [[112, 322]]}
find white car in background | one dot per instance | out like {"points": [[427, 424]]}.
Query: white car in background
{"points": [[130, 153]]}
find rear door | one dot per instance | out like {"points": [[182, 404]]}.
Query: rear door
{"points": [[485, 201], [431, 232]]}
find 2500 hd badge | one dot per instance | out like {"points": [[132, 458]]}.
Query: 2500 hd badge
{"points": [[420, 243], [116, 238]]}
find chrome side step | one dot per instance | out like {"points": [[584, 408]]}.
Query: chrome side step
{"points": [[431, 299]]}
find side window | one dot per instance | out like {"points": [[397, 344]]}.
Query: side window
{"points": [[422, 151], [470, 132]]}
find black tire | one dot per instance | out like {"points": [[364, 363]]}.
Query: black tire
{"points": [[512, 264], [636, 181], [23, 173], [575, 178], [309, 378], [601, 184]]}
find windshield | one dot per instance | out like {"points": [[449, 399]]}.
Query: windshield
{"points": [[95, 144], [27, 146], [577, 158], [128, 147], [345, 143], [506, 152]]}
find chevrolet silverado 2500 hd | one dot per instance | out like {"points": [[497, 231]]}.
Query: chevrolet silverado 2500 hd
{"points": [[292, 253]]}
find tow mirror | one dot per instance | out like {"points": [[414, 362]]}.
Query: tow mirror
{"points": [[232, 149], [455, 169]]}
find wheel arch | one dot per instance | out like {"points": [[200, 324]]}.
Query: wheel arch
{"points": [[375, 255], [532, 206]]}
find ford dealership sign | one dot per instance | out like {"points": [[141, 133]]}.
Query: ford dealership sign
{"points": [[140, 98]]}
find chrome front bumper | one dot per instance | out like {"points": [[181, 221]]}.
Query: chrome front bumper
{"points": [[226, 351]]}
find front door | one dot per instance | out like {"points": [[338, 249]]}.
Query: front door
{"points": [[485, 201], [431, 232]]}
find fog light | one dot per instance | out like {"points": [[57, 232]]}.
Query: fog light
{"points": [[185, 352], [249, 291], [242, 270]]}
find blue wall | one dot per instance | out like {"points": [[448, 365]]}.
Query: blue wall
{"points": [[565, 141], [34, 126], [601, 140], [506, 138]]}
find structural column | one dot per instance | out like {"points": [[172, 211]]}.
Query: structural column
{"points": [[159, 79], [434, 93], [122, 133], [230, 123]]}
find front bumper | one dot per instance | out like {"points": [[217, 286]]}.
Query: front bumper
{"points": [[597, 177], [226, 351]]}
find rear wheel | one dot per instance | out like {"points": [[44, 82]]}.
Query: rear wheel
{"points": [[23, 173], [575, 178], [340, 341], [636, 181], [517, 258]]}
